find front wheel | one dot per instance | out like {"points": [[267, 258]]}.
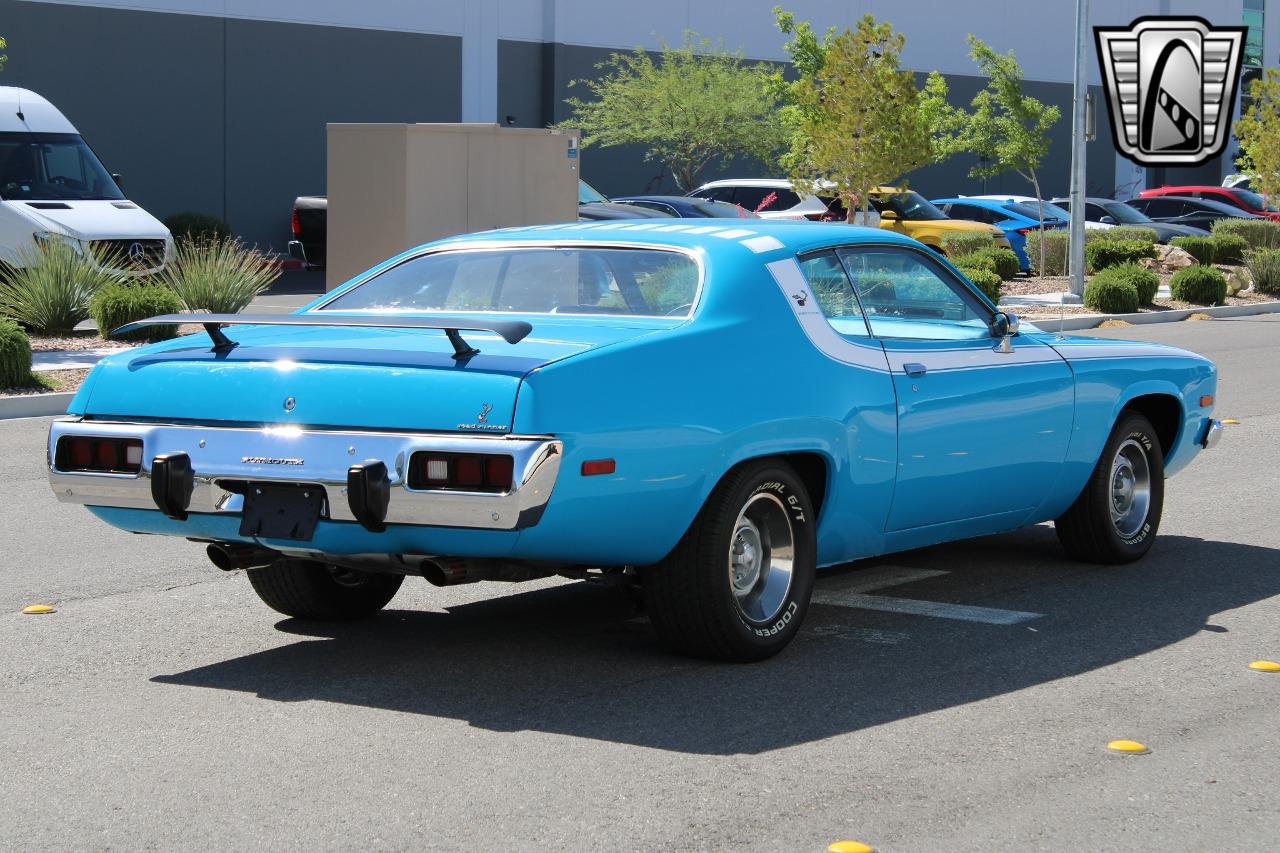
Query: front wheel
{"points": [[306, 589], [1116, 517], [737, 586]]}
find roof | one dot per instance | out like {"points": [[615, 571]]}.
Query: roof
{"points": [[763, 237], [1181, 188], [975, 201], [39, 116]]}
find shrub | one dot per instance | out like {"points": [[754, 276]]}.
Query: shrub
{"points": [[1144, 281], [222, 276], [1228, 248], [15, 355], [1109, 253], [985, 280], [1110, 294], [117, 304], [1199, 284], [197, 226], [1055, 245], [1003, 262], [1141, 233], [1258, 233], [1203, 249], [1264, 269], [50, 288], [960, 243]]}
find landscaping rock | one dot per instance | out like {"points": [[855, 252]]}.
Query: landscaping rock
{"points": [[1169, 259]]}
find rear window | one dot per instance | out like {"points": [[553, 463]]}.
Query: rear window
{"points": [[533, 280], [758, 199]]}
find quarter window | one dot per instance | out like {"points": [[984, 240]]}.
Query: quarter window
{"points": [[908, 295], [834, 293]]}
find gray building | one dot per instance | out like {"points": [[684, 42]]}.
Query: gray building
{"points": [[220, 106]]}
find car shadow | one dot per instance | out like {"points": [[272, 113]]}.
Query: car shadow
{"points": [[580, 660]]}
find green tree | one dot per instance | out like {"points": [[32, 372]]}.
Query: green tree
{"points": [[852, 115], [1259, 133], [4, 57], [693, 105], [1007, 130]]}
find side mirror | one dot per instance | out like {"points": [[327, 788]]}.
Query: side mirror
{"points": [[118, 178], [1108, 220], [888, 215], [1004, 324]]}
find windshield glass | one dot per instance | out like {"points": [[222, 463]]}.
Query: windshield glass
{"points": [[533, 280], [587, 194], [1029, 211], [1126, 215], [1051, 210], [1250, 198], [908, 205], [52, 167]]}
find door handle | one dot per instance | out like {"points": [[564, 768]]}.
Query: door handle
{"points": [[915, 368]]}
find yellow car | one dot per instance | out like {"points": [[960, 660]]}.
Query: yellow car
{"points": [[910, 213]]}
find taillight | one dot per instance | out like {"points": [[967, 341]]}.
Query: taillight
{"points": [[467, 472], [98, 455], [294, 225], [1024, 231]]}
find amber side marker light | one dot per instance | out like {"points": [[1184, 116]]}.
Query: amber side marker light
{"points": [[598, 466], [1206, 400]]}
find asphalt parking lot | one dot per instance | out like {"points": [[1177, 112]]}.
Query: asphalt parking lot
{"points": [[163, 706]]}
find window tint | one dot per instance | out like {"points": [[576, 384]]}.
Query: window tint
{"points": [[1095, 212], [718, 194], [1163, 207], [831, 287], [52, 166], [905, 294], [969, 211], [533, 280], [754, 199]]}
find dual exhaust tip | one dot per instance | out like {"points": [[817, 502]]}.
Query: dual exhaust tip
{"points": [[236, 556]]}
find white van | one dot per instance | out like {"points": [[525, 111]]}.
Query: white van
{"points": [[53, 187]]}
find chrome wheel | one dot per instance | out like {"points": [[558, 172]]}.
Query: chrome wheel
{"points": [[761, 557], [1130, 488]]}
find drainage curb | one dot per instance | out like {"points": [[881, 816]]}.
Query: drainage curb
{"points": [[35, 405], [1089, 321]]}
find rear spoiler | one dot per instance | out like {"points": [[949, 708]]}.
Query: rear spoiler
{"points": [[512, 331]]}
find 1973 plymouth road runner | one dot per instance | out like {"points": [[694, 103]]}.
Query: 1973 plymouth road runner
{"points": [[710, 410]]}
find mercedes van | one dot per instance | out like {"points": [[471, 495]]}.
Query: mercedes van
{"points": [[54, 188]]}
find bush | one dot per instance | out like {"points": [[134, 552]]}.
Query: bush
{"points": [[197, 226], [1228, 248], [1199, 284], [1110, 294], [1003, 262], [1264, 269], [1144, 281], [1258, 233], [1141, 233], [15, 355], [222, 276], [1110, 253], [960, 243], [117, 304], [50, 288], [985, 280], [1055, 244]]}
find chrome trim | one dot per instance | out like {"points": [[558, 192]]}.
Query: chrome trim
{"points": [[1212, 434], [217, 453]]}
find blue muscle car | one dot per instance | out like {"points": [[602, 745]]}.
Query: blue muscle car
{"points": [[710, 410]]}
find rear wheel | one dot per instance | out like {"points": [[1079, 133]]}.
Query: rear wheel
{"points": [[737, 586], [1116, 517], [307, 589]]}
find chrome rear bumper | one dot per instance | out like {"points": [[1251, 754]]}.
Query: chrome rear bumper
{"points": [[317, 457]]}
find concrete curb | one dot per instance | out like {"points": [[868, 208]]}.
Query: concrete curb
{"points": [[1089, 321], [35, 405]]}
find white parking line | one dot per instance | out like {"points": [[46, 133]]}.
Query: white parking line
{"points": [[849, 591]]}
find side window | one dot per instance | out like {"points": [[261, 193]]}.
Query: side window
{"points": [[831, 287], [1225, 198], [905, 294], [1094, 212], [973, 213], [718, 194], [759, 199]]}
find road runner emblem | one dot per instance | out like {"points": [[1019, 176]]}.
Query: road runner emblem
{"points": [[485, 409]]}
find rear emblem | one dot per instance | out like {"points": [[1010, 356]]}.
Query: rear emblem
{"points": [[485, 409], [289, 404], [800, 298]]}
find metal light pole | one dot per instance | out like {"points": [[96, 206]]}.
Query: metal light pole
{"points": [[1075, 250]]}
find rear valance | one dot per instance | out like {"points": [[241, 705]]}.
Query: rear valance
{"points": [[511, 331]]}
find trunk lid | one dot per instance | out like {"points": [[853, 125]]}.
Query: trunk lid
{"points": [[343, 377]]}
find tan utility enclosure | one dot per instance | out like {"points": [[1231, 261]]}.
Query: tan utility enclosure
{"points": [[396, 186]]}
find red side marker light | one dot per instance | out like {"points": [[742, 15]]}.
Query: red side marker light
{"points": [[598, 466], [1206, 400]]}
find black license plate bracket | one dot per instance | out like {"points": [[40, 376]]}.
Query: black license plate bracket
{"points": [[281, 510]]}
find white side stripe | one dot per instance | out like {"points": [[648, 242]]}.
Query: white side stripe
{"points": [[733, 233], [790, 280], [762, 244]]}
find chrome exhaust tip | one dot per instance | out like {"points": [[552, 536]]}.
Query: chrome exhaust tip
{"points": [[231, 556]]}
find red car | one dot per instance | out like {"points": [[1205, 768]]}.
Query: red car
{"points": [[1246, 200]]}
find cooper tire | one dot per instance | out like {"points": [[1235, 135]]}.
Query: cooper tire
{"points": [[306, 589], [737, 585], [1117, 515]]}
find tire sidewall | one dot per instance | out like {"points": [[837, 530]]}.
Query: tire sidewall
{"points": [[1139, 429]]}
